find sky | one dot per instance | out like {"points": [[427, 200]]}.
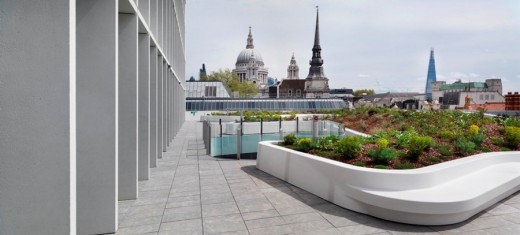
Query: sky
{"points": [[376, 44]]}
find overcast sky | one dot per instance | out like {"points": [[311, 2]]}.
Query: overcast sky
{"points": [[378, 44]]}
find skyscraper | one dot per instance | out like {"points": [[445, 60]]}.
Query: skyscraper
{"points": [[431, 77]]}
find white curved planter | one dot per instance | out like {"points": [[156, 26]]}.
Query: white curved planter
{"points": [[445, 193]]}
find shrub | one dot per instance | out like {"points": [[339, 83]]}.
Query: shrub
{"points": [[465, 146], [444, 150], [304, 144], [511, 121], [497, 141], [451, 135], [289, 139], [477, 139], [380, 167], [512, 136], [402, 139], [383, 156], [359, 164], [328, 142], [433, 160], [418, 144], [473, 130], [505, 149], [486, 149], [403, 165], [382, 143], [350, 146]]}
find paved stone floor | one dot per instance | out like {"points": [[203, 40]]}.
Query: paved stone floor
{"points": [[192, 193]]}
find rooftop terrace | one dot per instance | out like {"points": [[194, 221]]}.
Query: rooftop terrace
{"points": [[192, 193]]}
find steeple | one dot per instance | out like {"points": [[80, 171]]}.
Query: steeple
{"points": [[293, 69], [316, 69], [250, 40], [431, 76]]}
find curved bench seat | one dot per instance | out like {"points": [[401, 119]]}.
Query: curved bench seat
{"points": [[445, 193]]}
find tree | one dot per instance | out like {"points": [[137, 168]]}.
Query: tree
{"points": [[230, 80], [361, 91]]}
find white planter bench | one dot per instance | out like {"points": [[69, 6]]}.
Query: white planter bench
{"points": [[445, 193]]}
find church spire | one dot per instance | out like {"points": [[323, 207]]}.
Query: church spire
{"points": [[250, 40], [316, 69]]}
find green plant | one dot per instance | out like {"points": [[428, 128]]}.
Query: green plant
{"points": [[497, 141], [380, 167], [289, 139], [418, 144], [403, 165], [477, 139], [359, 164], [473, 130], [304, 144], [505, 149], [486, 149], [383, 156], [444, 150], [402, 138], [350, 146], [382, 143], [511, 121], [433, 160], [328, 142], [512, 138], [464, 146], [329, 154]]}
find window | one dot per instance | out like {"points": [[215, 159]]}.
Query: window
{"points": [[210, 91], [481, 97], [492, 97], [487, 97], [289, 93], [298, 93]]}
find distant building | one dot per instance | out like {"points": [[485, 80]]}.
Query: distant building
{"points": [[288, 88], [512, 101], [206, 89], [431, 77], [453, 95], [293, 71], [404, 100], [316, 85], [250, 65]]}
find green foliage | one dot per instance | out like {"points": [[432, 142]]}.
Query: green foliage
{"points": [[382, 143], [350, 146], [497, 141], [418, 144], [361, 91], [230, 80], [486, 149], [444, 150], [383, 156], [380, 167], [330, 155], [328, 142], [304, 144], [433, 160], [464, 146], [402, 138], [403, 166], [289, 139], [505, 149], [511, 121], [478, 139], [473, 130], [512, 136], [362, 164]]}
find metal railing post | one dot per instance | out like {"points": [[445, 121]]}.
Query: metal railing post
{"points": [[239, 142]]}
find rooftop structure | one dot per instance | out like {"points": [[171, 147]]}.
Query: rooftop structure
{"points": [[317, 85]]}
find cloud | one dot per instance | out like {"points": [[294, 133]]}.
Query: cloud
{"points": [[363, 75]]}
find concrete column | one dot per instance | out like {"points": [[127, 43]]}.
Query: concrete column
{"points": [[96, 116], [144, 106], [165, 106], [153, 107], [160, 106], [128, 96], [172, 106], [37, 117]]}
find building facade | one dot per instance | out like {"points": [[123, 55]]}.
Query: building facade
{"points": [[108, 99], [453, 95], [250, 65]]}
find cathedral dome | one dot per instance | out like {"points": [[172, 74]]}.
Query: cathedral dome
{"points": [[245, 56]]}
